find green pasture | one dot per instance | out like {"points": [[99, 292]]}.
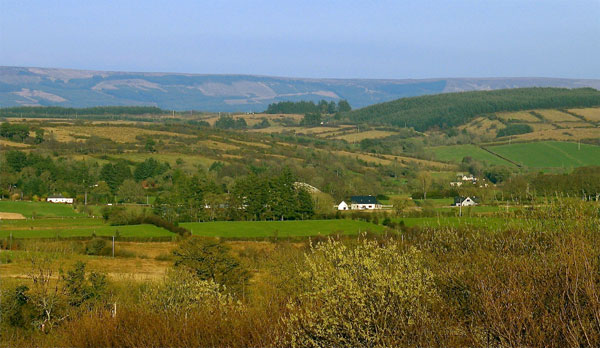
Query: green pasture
{"points": [[454, 221], [41, 209], [456, 153], [550, 154], [75, 227], [261, 229]]}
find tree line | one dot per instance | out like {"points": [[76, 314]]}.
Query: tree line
{"points": [[59, 111]]}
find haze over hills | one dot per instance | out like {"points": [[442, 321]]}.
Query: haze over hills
{"points": [[25, 86]]}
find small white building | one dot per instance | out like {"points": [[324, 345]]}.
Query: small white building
{"points": [[469, 177], [59, 199], [342, 206], [456, 183], [464, 201]]}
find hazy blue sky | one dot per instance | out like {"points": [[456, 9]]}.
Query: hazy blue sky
{"points": [[369, 39]]}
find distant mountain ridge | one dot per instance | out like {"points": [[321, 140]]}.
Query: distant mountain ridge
{"points": [[27, 86]]}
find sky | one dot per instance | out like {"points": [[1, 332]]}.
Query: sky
{"points": [[335, 39]]}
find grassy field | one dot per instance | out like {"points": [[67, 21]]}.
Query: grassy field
{"points": [[550, 154], [76, 227], [491, 223], [261, 229], [41, 209], [455, 153]]}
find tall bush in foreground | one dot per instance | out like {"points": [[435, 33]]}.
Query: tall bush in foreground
{"points": [[366, 295]]}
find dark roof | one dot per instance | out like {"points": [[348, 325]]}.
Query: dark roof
{"points": [[364, 200], [459, 199]]}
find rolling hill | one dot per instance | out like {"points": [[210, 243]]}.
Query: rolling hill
{"points": [[455, 109], [23, 86]]}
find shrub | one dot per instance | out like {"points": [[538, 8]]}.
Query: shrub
{"points": [[514, 129], [212, 260], [360, 296], [95, 246]]}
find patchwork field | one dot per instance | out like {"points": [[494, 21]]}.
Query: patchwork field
{"points": [[557, 116], [372, 134], [524, 116], [550, 154], [117, 134], [262, 229], [483, 126]]}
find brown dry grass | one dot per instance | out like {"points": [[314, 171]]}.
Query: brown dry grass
{"points": [[4, 142], [248, 143], [562, 134], [541, 126], [216, 145], [592, 114]]}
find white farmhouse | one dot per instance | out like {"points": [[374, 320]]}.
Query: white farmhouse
{"points": [[342, 206], [59, 199], [464, 201], [364, 202]]}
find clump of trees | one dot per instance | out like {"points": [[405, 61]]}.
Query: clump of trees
{"points": [[228, 122], [514, 129], [308, 107]]}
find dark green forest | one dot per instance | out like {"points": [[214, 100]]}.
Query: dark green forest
{"points": [[454, 109]]}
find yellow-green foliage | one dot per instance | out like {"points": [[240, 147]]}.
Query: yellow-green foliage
{"points": [[363, 295], [182, 292]]}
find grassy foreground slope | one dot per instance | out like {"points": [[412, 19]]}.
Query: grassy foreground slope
{"points": [[550, 154], [454, 109], [456, 153], [41, 209], [69, 228], [261, 229]]}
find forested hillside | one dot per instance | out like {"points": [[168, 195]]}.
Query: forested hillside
{"points": [[453, 109]]}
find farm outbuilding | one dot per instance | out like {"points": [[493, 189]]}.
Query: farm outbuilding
{"points": [[59, 199]]}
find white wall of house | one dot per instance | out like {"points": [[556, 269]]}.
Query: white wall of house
{"points": [[365, 206]]}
